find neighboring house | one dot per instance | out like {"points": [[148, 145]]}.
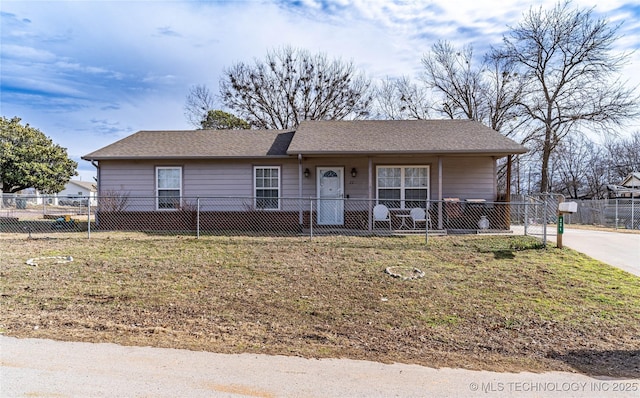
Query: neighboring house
{"points": [[77, 193], [632, 181], [399, 163], [630, 187]]}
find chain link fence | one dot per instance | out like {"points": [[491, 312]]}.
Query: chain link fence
{"points": [[47, 216], [621, 213]]}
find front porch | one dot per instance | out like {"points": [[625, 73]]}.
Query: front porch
{"points": [[296, 216]]}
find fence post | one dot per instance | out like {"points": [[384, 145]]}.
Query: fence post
{"points": [[198, 218], [633, 218], [616, 207], [310, 218], [89, 218], [526, 216], [426, 223], [544, 222]]}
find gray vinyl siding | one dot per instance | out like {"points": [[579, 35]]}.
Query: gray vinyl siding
{"points": [[469, 178], [355, 188], [200, 179], [462, 177], [136, 179], [218, 180]]}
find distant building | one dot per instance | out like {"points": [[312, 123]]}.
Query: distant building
{"points": [[77, 193], [629, 188]]}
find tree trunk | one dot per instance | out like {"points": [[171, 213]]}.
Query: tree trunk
{"points": [[546, 155]]}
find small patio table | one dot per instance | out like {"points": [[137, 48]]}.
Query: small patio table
{"points": [[403, 217]]}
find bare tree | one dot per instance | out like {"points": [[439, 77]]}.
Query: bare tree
{"points": [[502, 93], [199, 102], [487, 91], [386, 99], [292, 85], [565, 57], [572, 162], [597, 174], [400, 99], [451, 73], [624, 156]]}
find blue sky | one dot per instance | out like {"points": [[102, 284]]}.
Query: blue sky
{"points": [[87, 73]]}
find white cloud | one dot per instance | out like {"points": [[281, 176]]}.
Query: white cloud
{"points": [[76, 67], [108, 68], [166, 79], [26, 53]]}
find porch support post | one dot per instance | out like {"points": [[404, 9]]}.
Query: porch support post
{"points": [[507, 195], [370, 190], [440, 226], [300, 210]]}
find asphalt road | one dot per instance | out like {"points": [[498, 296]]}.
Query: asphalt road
{"points": [[46, 368]]}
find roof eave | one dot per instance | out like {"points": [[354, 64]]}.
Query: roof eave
{"points": [[99, 158], [500, 153]]}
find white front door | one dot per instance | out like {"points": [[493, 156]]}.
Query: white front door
{"points": [[330, 195]]}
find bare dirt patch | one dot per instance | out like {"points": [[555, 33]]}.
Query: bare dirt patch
{"points": [[492, 303]]}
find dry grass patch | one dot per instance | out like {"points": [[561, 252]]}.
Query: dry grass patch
{"points": [[484, 302]]}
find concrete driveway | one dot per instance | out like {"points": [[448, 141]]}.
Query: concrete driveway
{"points": [[621, 250]]}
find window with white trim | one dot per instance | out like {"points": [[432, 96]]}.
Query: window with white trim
{"points": [[267, 187], [168, 187], [403, 187]]}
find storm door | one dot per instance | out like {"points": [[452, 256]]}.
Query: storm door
{"points": [[330, 195]]}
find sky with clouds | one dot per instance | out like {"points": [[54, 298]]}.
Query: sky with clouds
{"points": [[87, 73]]}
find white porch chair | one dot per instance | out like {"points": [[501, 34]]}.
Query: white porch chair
{"points": [[381, 214], [418, 215]]}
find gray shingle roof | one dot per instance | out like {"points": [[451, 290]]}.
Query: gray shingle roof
{"points": [[88, 185], [197, 144], [359, 137], [400, 136]]}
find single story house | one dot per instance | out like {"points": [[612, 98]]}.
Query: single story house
{"points": [[632, 181], [400, 163], [77, 193], [628, 188]]}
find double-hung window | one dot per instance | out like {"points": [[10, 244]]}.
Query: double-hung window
{"points": [[403, 187], [267, 187], [168, 187]]}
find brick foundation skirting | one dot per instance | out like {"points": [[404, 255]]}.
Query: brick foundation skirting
{"points": [[256, 221], [250, 221]]}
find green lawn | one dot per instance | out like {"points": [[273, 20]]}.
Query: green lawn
{"points": [[484, 302]]}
